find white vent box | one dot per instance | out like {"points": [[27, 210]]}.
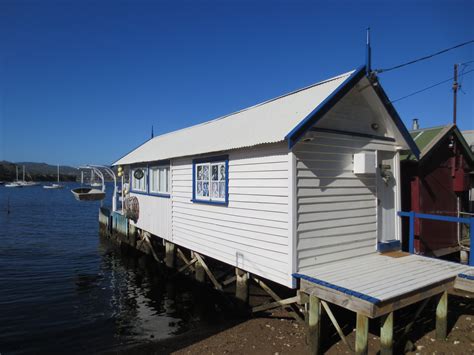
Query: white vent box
{"points": [[364, 163]]}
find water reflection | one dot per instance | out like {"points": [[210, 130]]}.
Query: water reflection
{"points": [[63, 289]]}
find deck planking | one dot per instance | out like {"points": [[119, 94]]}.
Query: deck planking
{"points": [[377, 283]]}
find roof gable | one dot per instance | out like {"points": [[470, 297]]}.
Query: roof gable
{"points": [[427, 139], [287, 117]]}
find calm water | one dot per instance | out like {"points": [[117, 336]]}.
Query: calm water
{"points": [[63, 289]]}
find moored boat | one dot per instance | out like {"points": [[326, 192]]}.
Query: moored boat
{"points": [[88, 194]]}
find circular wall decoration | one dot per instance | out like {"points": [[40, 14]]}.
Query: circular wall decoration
{"points": [[138, 174]]}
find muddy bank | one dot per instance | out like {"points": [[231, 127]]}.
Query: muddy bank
{"points": [[273, 333]]}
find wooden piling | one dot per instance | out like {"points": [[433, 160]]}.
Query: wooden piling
{"points": [[386, 334], [314, 325], [362, 334], [170, 249], [200, 272], [442, 317], [241, 285]]}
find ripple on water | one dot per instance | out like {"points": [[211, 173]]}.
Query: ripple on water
{"points": [[62, 288]]}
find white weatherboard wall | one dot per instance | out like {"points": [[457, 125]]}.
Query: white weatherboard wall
{"points": [[155, 215], [336, 210], [252, 232]]}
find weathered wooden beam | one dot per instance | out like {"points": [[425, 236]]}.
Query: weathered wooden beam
{"points": [[146, 239], [314, 325], [217, 285], [336, 324], [242, 285], [442, 317], [417, 314], [199, 272], [229, 280], [292, 309], [184, 258], [170, 249], [188, 265], [362, 334], [275, 304], [386, 334]]}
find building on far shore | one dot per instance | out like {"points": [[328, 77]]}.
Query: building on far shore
{"points": [[438, 183]]}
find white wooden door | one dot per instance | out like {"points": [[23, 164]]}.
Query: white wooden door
{"points": [[387, 190]]}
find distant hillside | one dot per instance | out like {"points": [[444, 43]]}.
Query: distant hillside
{"points": [[37, 171]]}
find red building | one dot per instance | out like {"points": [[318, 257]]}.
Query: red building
{"points": [[437, 184]]}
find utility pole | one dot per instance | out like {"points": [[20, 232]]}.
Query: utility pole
{"points": [[455, 92]]}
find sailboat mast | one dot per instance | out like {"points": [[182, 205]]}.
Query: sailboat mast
{"points": [[24, 173], [17, 173], [58, 173]]}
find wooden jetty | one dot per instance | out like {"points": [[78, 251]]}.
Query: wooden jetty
{"points": [[377, 285]]}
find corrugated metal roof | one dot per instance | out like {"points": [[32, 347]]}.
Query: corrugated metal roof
{"points": [[427, 138], [469, 137], [268, 122]]}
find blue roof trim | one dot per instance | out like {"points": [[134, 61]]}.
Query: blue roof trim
{"points": [[338, 288], [297, 133], [466, 276], [397, 120]]}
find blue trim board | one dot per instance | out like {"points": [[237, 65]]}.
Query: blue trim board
{"points": [[158, 194], [147, 177], [217, 158], [353, 134], [435, 217], [338, 288], [389, 245], [396, 119], [298, 132], [466, 276]]}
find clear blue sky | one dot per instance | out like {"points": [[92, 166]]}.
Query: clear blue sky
{"points": [[83, 81]]}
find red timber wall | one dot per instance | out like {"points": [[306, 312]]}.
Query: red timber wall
{"points": [[432, 186]]}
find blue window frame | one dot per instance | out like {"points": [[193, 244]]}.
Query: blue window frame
{"points": [[211, 180], [139, 185], [156, 180]]}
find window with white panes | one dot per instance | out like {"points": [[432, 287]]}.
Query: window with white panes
{"points": [[139, 179], [210, 181], [160, 180]]}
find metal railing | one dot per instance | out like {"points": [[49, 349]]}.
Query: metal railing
{"points": [[412, 215]]}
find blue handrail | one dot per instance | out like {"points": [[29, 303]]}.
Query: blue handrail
{"points": [[412, 215]]}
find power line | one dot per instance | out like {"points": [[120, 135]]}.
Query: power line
{"points": [[429, 87], [378, 71]]}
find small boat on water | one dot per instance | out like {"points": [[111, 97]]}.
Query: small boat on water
{"points": [[25, 183], [54, 186], [13, 184], [88, 194], [16, 183]]}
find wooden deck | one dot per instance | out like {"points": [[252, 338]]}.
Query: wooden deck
{"points": [[378, 284]]}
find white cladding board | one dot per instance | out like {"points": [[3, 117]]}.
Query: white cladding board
{"points": [[252, 231], [364, 163], [336, 209], [155, 215]]}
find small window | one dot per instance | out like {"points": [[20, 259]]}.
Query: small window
{"points": [[139, 179], [160, 180], [210, 180]]}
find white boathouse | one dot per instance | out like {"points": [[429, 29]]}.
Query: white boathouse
{"points": [[279, 188], [302, 190]]}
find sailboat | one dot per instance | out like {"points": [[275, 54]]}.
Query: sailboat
{"points": [[25, 183], [54, 186], [16, 183]]}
